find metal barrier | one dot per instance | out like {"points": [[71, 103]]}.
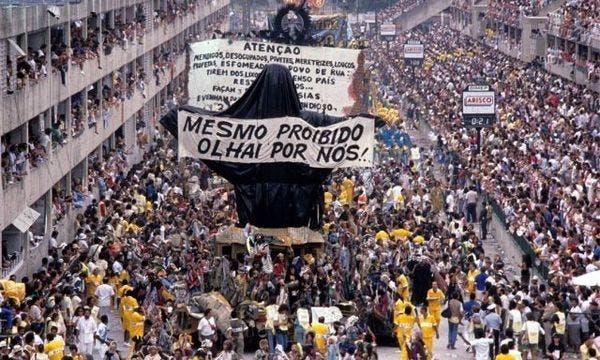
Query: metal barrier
{"points": [[38, 2]]}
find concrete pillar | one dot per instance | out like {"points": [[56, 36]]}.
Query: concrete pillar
{"points": [[478, 28], [12, 55], [148, 7], [48, 211], [68, 117], [110, 15], [3, 68], [68, 184]]}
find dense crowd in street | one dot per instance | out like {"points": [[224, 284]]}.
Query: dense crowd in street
{"points": [[403, 253], [543, 174]]}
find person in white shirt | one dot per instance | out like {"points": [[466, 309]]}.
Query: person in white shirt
{"points": [[530, 334], [86, 328], [481, 344], [101, 336], [207, 326], [105, 295]]}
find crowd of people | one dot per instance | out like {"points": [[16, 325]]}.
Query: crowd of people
{"points": [[89, 44], [404, 241], [577, 21], [510, 12], [390, 13], [539, 162]]}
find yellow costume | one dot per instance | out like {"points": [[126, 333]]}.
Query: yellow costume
{"points": [[136, 322], [328, 200], [471, 274], [91, 283], [55, 349], [404, 324], [347, 192], [320, 330], [428, 326], [402, 287], [128, 306], [435, 300]]}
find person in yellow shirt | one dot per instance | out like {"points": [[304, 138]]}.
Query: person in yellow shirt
{"points": [[404, 323], [504, 353], [92, 281], [327, 200], [402, 286], [435, 299], [347, 194], [55, 347], [471, 274], [136, 324], [128, 306], [382, 235], [321, 331], [429, 328]]}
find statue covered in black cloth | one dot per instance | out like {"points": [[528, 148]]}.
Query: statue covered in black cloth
{"points": [[422, 277], [270, 195]]}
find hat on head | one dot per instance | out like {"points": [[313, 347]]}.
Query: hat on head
{"points": [[492, 307]]}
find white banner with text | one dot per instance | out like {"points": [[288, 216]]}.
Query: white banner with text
{"points": [[346, 144], [221, 70]]}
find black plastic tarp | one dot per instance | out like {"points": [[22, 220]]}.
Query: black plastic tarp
{"points": [[272, 195]]}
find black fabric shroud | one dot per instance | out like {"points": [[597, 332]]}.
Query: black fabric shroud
{"points": [[271, 195]]}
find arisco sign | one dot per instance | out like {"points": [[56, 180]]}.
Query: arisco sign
{"points": [[479, 106], [479, 102]]}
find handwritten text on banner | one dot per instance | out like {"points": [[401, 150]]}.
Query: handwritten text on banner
{"points": [[222, 70], [345, 144]]}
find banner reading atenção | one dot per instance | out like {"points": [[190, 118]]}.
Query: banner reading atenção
{"points": [[221, 70], [346, 144]]}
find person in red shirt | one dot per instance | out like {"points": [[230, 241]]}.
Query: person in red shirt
{"points": [[279, 266]]}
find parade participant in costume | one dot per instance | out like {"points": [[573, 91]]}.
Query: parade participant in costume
{"points": [[404, 323], [429, 328]]}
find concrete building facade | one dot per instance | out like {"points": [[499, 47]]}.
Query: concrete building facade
{"points": [[543, 38], [78, 82]]}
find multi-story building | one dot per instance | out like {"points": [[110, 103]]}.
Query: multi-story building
{"points": [[79, 83], [567, 48]]}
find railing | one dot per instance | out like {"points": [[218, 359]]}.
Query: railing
{"points": [[38, 2], [14, 265]]}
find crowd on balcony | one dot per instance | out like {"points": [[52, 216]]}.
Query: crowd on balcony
{"points": [[509, 12], [17, 158], [398, 8], [86, 46], [577, 21]]}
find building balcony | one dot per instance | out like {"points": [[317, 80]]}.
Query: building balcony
{"points": [[570, 71], [41, 178], [37, 97], [21, 19]]}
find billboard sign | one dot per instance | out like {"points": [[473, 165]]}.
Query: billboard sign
{"points": [[479, 106]]}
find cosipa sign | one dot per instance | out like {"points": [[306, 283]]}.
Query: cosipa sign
{"points": [[479, 106]]}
